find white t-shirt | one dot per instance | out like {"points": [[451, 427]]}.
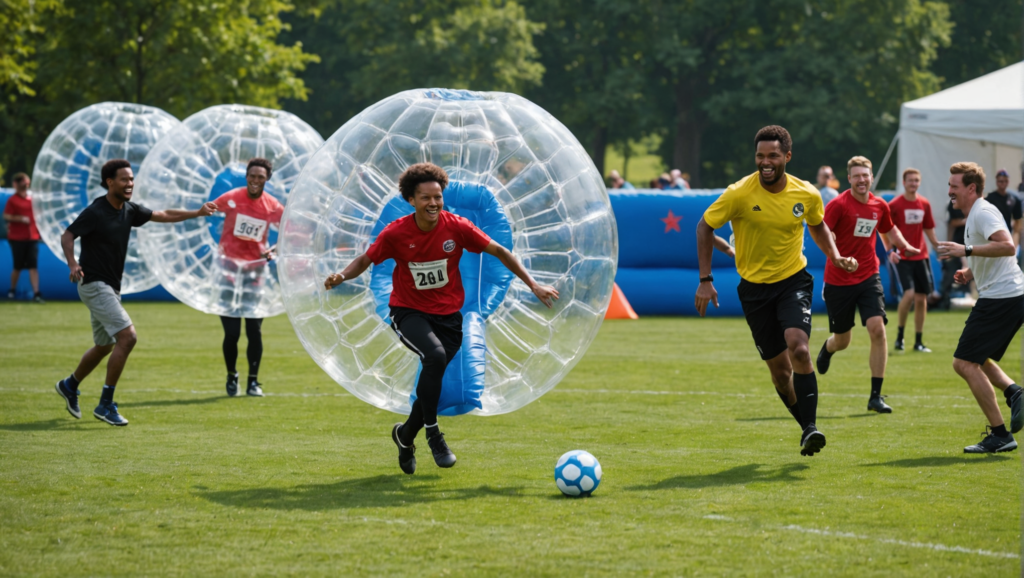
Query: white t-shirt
{"points": [[996, 277]]}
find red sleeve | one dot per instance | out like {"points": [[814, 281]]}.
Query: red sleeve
{"points": [[832, 214], [929, 222], [9, 206], [885, 221], [473, 239], [380, 250], [222, 202]]}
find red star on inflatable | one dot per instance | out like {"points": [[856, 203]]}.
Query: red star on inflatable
{"points": [[672, 222]]}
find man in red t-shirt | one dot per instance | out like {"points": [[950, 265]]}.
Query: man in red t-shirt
{"points": [[912, 215], [428, 294], [23, 236], [248, 215], [855, 217]]}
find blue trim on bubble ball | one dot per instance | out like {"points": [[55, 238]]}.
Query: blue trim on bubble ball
{"points": [[229, 179], [451, 94], [484, 279]]}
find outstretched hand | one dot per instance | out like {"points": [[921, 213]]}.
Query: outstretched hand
{"points": [[207, 209], [546, 293], [333, 281]]}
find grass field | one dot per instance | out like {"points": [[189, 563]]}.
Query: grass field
{"points": [[702, 472]]}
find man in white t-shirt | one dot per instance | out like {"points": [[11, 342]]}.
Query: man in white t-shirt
{"points": [[999, 312]]}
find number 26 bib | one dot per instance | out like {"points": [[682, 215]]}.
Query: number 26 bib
{"points": [[431, 275]]}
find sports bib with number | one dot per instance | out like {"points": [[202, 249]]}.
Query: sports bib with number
{"points": [[248, 228], [913, 216], [864, 227], [431, 275]]}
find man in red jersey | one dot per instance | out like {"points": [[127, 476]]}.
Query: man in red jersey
{"points": [[854, 217], [23, 236], [912, 215], [428, 295], [248, 214]]}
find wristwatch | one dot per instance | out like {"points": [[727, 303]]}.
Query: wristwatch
{"points": [[710, 277], [968, 249]]}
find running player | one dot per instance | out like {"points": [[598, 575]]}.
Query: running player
{"points": [[854, 217], [999, 312], [912, 215], [248, 214], [768, 210], [105, 227], [428, 295]]}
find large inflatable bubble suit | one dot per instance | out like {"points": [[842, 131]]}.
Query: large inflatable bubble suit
{"points": [[66, 178], [517, 173], [197, 162]]}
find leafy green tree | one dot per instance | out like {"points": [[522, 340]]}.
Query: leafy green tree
{"points": [[986, 37], [19, 19]]}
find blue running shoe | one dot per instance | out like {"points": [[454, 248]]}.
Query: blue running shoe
{"points": [[70, 399], [108, 412]]}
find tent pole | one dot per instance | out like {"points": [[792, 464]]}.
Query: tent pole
{"points": [[885, 161]]}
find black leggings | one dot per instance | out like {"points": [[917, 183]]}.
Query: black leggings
{"points": [[254, 352], [436, 339]]}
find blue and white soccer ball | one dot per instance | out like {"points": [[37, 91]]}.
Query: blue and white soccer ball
{"points": [[577, 473]]}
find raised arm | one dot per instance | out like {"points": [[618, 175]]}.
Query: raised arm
{"points": [[724, 246], [825, 241], [545, 293], [179, 215], [894, 238], [1000, 245], [354, 269]]}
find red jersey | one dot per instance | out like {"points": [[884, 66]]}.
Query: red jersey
{"points": [[912, 218], [247, 223], [854, 224], [21, 207], [426, 276]]}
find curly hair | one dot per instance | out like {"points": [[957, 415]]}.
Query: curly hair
{"points": [[972, 173], [110, 168], [260, 162], [775, 133], [421, 173]]}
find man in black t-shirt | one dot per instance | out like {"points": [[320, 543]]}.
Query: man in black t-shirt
{"points": [[105, 227]]}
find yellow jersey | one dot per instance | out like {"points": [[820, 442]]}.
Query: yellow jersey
{"points": [[769, 227]]}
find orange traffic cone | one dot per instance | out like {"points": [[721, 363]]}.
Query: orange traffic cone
{"points": [[620, 308]]}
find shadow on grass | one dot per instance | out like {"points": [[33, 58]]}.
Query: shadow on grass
{"points": [[60, 423], [940, 461], [372, 492], [732, 477], [183, 401]]}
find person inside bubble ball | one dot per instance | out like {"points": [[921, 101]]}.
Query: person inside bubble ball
{"points": [[105, 227], [248, 214], [428, 295]]}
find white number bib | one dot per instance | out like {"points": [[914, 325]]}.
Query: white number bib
{"points": [[913, 216], [864, 227], [248, 228], [432, 275]]}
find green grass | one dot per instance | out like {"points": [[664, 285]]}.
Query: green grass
{"points": [[702, 470]]}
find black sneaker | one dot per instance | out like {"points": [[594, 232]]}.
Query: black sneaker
{"points": [[1016, 403], [38, 299], [70, 399], [254, 389], [992, 444], [899, 345], [824, 359], [108, 412], [443, 457], [406, 454], [232, 385], [920, 348], [876, 404], [811, 441]]}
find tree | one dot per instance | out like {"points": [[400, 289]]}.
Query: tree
{"points": [[986, 37]]}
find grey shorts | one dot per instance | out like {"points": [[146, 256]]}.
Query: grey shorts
{"points": [[106, 313]]}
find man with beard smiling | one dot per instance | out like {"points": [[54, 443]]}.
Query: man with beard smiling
{"points": [[768, 210]]}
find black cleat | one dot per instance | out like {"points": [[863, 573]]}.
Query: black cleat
{"points": [[1016, 403], [920, 348], [824, 359], [107, 412], [406, 454], [232, 385], [899, 345], [70, 399], [876, 404], [443, 457], [992, 444], [254, 389], [811, 441]]}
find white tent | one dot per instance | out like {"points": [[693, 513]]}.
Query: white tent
{"points": [[981, 121]]}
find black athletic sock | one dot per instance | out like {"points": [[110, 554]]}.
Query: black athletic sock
{"points": [[251, 380], [413, 425], [824, 350], [806, 387], [108, 394], [1000, 430], [876, 386], [72, 382], [254, 349], [1010, 390], [794, 409], [432, 430], [917, 339], [899, 333]]}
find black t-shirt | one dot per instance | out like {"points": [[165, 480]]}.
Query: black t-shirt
{"points": [[1008, 205], [958, 233], [105, 232]]}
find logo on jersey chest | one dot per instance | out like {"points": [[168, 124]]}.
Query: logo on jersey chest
{"points": [[798, 210], [448, 246]]}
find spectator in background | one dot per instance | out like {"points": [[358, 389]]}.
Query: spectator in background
{"points": [[23, 236], [678, 182], [617, 182], [1008, 204], [665, 182], [654, 184], [825, 178]]}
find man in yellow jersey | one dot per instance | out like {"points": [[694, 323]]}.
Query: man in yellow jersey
{"points": [[768, 210]]}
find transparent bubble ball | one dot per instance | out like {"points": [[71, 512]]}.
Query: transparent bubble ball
{"points": [[197, 162], [562, 230], [66, 177]]}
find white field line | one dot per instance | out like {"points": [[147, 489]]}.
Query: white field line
{"points": [[905, 543]]}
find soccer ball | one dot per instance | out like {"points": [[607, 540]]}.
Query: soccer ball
{"points": [[577, 473]]}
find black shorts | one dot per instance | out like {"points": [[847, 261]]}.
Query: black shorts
{"points": [[916, 276], [447, 328], [989, 329], [25, 254], [772, 308], [843, 301]]}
